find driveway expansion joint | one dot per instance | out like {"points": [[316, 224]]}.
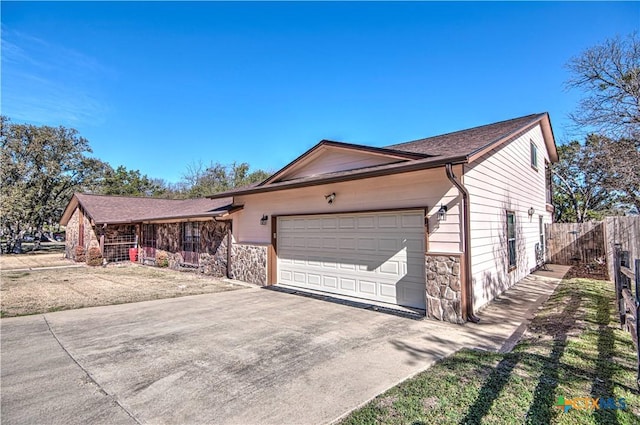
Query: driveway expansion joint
{"points": [[86, 372]]}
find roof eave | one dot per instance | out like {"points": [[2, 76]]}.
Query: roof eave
{"points": [[173, 218], [404, 168]]}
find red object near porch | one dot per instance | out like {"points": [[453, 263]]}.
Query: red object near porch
{"points": [[133, 254]]}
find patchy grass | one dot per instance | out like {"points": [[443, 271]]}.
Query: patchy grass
{"points": [[573, 348], [42, 291], [33, 260]]}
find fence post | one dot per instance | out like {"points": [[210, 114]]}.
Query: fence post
{"points": [[637, 291], [618, 282]]}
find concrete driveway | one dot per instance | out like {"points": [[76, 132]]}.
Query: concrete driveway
{"points": [[244, 357]]}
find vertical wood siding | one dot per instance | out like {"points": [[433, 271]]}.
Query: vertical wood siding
{"points": [[502, 180]]}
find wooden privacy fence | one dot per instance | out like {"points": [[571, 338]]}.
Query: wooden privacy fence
{"points": [[626, 232], [592, 242], [628, 301], [575, 243]]}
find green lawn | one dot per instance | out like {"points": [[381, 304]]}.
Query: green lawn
{"points": [[573, 348]]}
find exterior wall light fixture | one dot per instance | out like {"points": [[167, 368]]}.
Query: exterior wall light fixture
{"points": [[442, 213], [330, 198], [264, 219]]}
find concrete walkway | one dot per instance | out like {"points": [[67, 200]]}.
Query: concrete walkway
{"points": [[240, 357]]}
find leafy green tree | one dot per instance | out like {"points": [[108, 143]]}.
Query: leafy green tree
{"points": [[619, 161], [41, 167], [121, 181], [580, 190], [201, 181]]}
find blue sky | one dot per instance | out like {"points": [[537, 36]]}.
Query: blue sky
{"points": [[156, 86]]}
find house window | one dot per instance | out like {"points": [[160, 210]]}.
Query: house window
{"points": [[548, 182], [148, 241], [190, 242], [149, 235], [511, 239], [534, 156]]}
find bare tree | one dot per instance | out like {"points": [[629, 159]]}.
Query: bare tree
{"points": [[608, 74], [619, 161]]}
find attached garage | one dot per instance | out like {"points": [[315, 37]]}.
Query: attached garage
{"points": [[378, 256]]}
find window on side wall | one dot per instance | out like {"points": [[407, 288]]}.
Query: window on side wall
{"points": [[511, 239], [534, 156]]}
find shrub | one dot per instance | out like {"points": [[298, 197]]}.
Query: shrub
{"points": [[79, 254], [162, 259], [94, 257]]}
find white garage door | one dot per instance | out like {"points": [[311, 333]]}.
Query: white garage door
{"points": [[377, 256]]}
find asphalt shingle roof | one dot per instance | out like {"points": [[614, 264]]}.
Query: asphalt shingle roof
{"points": [[125, 209], [466, 142], [455, 147]]}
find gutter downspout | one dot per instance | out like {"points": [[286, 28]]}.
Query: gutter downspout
{"points": [[229, 250], [466, 225]]}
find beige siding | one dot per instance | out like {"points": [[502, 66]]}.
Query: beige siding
{"points": [[502, 180], [330, 160], [427, 188]]}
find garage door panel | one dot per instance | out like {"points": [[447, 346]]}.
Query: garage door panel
{"points": [[367, 287], [412, 221], [329, 281], [387, 290], [367, 222], [347, 266], [388, 221], [347, 223], [390, 267], [314, 279], [367, 244], [329, 243], [348, 284], [314, 224], [329, 223], [347, 244], [314, 242], [377, 256], [388, 244]]}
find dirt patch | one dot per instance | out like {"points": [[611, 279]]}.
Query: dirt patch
{"points": [[41, 291], [430, 403], [588, 271]]}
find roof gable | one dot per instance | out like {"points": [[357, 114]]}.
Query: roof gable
{"points": [[329, 157]]}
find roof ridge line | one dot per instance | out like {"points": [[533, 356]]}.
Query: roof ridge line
{"points": [[466, 129]]}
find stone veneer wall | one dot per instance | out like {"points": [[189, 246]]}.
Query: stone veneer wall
{"points": [[72, 230], [249, 263], [212, 259], [443, 287]]}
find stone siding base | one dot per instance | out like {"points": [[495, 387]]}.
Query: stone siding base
{"points": [[214, 265], [443, 288], [249, 263]]}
